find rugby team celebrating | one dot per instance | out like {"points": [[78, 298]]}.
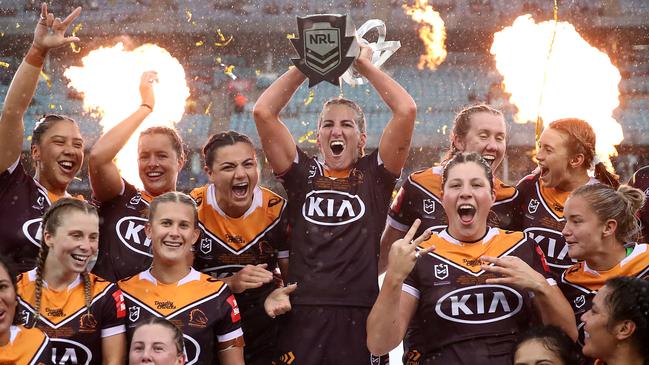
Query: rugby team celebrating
{"points": [[475, 270]]}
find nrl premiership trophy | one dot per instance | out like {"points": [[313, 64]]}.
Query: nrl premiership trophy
{"points": [[326, 45]]}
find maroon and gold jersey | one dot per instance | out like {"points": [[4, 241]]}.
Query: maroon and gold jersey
{"points": [[23, 201], [640, 180], [336, 224], [228, 244], [124, 249], [421, 197], [75, 334], [201, 306], [455, 300], [27, 346], [540, 214], [579, 283]]}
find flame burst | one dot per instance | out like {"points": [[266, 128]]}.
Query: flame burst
{"points": [[576, 80], [109, 80], [432, 32]]}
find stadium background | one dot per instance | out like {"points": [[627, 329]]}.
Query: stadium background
{"points": [[260, 52]]}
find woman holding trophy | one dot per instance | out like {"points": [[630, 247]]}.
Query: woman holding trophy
{"points": [[336, 208]]}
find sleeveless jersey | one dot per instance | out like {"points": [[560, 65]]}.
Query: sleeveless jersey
{"points": [[454, 299], [27, 346], [202, 307], [336, 225], [75, 335], [23, 201], [640, 180], [421, 197], [124, 249], [228, 244], [579, 283], [540, 214]]}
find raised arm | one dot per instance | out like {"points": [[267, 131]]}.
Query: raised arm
{"points": [[396, 137], [393, 309], [105, 179], [276, 139], [49, 34]]}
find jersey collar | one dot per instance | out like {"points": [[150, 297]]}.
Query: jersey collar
{"points": [[257, 201], [192, 276]]}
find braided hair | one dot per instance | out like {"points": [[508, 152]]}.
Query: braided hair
{"points": [[52, 219]]}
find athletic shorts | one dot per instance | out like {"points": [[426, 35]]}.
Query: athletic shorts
{"points": [[331, 335]]}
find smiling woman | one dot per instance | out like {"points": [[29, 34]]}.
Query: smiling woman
{"points": [[243, 235], [83, 313], [124, 249], [478, 285], [56, 150], [204, 308]]}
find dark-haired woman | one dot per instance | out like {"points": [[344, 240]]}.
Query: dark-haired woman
{"points": [[56, 150], [19, 345], [478, 128], [159, 341], [565, 155], [243, 235], [445, 280], [82, 314], [547, 345], [124, 249], [617, 325], [201, 306], [600, 229]]}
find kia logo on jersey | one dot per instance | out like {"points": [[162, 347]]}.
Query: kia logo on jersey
{"points": [[33, 230], [332, 208], [553, 245], [130, 231], [69, 352], [479, 304], [192, 350]]}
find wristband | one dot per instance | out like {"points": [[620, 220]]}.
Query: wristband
{"points": [[36, 56]]}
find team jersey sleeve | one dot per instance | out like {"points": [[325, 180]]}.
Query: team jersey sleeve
{"points": [[411, 284], [113, 312], [228, 330], [401, 215], [12, 175], [294, 179]]}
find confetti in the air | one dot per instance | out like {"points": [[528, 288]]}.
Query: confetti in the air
{"points": [[307, 138], [47, 79], [310, 98], [222, 41], [4, 64]]}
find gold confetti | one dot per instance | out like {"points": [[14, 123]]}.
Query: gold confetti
{"points": [[199, 43], [17, 25], [207, 110], [222, 42], [290, 36], [444, 129], [189, 15], [229, 71], [310, 98], [74, 47], [257, 72], [2, 34], [218, 60], [307, 138], [47, 79], [4, 64], [52, 106]]}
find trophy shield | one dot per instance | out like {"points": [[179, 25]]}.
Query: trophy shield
{"points": [[326, 45]]}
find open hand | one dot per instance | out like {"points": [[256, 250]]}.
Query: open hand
{"points": [[514, 272], [278, 301], [250, 277]]}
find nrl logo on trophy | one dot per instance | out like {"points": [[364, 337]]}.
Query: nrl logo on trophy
{"points": [[326, 46]]}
